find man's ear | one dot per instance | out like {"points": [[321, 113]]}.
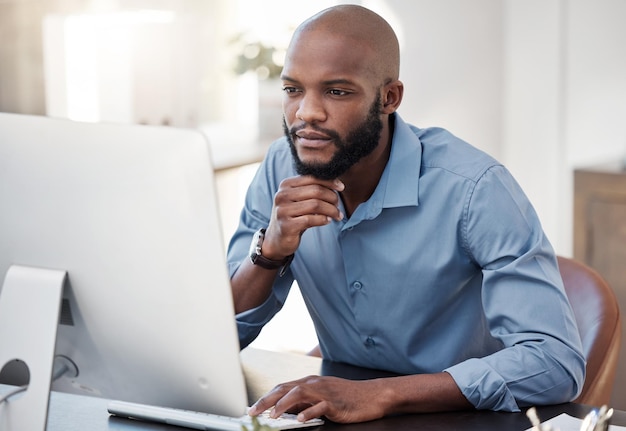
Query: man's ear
{"points": [[392, 96]]}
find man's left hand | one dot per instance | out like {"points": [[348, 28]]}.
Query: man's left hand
{"points": [[337, 399]]}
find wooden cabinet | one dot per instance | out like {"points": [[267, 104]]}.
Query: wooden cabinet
{"points": [[600, 240]]}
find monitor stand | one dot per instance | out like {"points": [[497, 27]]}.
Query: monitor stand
{"points": [[30, 301]]}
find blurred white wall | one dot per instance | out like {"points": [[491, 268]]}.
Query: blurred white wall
{"points": [[539, 84]]}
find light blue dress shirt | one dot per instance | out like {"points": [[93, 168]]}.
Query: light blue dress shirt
{"points": [[444, 268]]}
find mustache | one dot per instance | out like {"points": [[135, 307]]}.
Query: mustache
{"points": [[332, 134]]}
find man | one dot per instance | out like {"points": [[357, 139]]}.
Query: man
{"points": [[415, 252]]}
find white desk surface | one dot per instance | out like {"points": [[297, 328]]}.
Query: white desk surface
{"points": [[264, 369]]}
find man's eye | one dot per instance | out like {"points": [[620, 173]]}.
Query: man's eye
{"points": [[336, 92], [290, 90]]}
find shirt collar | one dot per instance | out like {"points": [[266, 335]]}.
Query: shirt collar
{"points": [[399, 183]]}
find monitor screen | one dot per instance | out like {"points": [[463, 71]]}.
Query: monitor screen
{"points": [[130, 213]]}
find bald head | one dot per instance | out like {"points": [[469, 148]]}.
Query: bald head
{"points": [[364, 30]]}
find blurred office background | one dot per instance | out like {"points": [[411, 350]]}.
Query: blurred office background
{"points": [[539, 84]]}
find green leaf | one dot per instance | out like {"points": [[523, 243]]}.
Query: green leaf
{"points": [[256, 426]]}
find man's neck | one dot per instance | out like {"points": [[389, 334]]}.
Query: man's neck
{"points": [[362, 178]]}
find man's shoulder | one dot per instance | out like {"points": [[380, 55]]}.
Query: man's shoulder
{"points": [[278, 160], [279, 153], [443, 150], [279, 148]]}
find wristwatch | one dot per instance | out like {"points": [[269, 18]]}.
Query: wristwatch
{"points": [[258, 259]]}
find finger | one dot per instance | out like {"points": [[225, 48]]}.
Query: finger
{"points": [[305, 222], [302, 188], [285, 231], [259, 407], [296, 399], [315, 411], [313, 192], [310, 207], [266, 401], [273, 397], [303, 180]]}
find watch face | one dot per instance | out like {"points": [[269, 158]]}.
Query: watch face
{"points": [[255, 246]]}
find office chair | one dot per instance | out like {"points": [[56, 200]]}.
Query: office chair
{"points": [[599, 323]]}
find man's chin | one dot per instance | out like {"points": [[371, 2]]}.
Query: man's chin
{"points": [[310, 169], [319, 171], [314, 160]]}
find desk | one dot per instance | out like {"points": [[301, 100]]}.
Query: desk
{"points": [[79, 413]]}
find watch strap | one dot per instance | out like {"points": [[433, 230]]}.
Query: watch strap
{"points": [[266, 263], [258, 259]]}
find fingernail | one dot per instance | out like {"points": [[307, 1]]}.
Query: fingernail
{"points": [[340, 185]]}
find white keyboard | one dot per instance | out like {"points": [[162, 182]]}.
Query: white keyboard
{"points": [[203, 421]]}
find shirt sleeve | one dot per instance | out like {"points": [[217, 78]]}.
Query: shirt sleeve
{"points": [[524, 302], [255, 215]]}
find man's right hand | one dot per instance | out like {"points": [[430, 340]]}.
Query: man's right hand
{"points": [[300, 203]]}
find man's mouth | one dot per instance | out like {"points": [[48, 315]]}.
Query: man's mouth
{"points": [[312, 138]]}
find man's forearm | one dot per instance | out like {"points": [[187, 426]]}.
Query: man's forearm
{"points": [[424, 393], [251, 286]]}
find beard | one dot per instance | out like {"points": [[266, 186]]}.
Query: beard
{"points": [[360, 142]]}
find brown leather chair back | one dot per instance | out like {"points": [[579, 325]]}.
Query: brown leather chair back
{"points": [[598, 318]]}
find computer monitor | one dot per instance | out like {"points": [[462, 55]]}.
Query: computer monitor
{"points": [[130, 213]]}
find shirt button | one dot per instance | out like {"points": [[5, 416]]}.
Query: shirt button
{"points": [[369, 342], [357, 285]]}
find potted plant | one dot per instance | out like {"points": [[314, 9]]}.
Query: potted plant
{"points": [[266, 62]]}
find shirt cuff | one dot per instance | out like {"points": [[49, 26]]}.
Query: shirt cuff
{"points": [[250, 322], [483, 386]]}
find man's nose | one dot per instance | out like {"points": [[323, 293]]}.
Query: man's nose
{"points": [[311, 109]]}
